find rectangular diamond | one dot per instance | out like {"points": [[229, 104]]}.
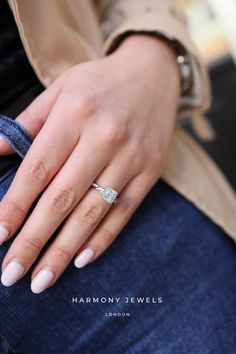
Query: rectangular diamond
{"points": [[109, 195]]}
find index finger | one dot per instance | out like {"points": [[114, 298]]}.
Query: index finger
{"points": [[45, 157]]}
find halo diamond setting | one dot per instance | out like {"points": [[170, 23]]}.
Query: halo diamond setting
{"points": [[109, 195]]}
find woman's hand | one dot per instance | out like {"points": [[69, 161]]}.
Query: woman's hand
{"points": [[108, 121]]}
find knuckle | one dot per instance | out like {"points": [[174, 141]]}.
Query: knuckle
{"points": [[156, 160], [112, 133], [12, 207], [137, 152], [63, 200], [33, 243], [63, 254], [158, 155], [159, 150], [38, 171], [92, 214], [106, 238], [87, 105], [125, 206]]}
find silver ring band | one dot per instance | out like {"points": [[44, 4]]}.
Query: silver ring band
{"points": [[108, 194]]}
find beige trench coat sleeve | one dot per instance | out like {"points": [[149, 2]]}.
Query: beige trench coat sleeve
{"points": [[161, 17]]}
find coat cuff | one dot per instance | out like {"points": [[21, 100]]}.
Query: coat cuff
{"points": [[169, 27]]}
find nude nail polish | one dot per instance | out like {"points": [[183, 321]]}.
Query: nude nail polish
{"points": [[42, 280], [84, 258], [13, 272], [4, 233]]}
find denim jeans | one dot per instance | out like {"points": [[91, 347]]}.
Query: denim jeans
{"points": [[167, 285]]}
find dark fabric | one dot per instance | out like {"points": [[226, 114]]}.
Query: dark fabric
{"points": [[19, 84]]}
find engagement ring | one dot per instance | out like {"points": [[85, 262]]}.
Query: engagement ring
{"points": [[108, 194]]}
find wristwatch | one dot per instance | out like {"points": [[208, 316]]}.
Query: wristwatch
{"points": [[185, 73], [184, 62], [182, 57]]}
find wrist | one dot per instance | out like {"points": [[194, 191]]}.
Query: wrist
{"points": [[153, 55]]}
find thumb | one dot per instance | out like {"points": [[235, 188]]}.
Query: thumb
{"points": [[35, 115]]}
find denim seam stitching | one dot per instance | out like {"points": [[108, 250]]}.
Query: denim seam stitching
{"points": [[18, 127], [20, 130], [13, 139], [10, 347]]}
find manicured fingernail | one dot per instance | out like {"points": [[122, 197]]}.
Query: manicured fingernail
{"points": [[12, 273], [42, 280], [84, 258], [4, 233]]}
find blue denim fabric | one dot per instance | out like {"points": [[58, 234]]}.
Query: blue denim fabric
{"points": [[16, 135], [168, 250], [20, 140]]}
